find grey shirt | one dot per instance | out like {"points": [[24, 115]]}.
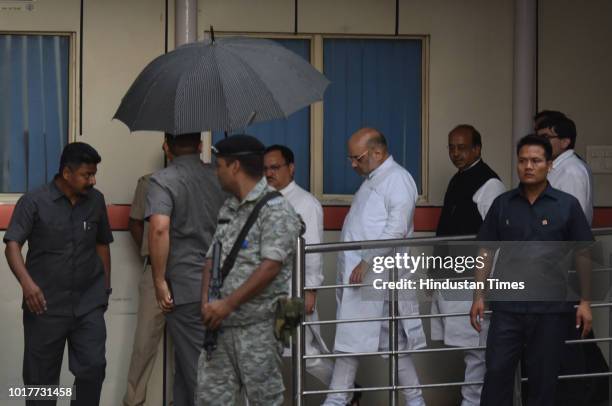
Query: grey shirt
{"points": [[62, 238], [188, 192]]}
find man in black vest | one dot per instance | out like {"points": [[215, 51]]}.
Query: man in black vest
{"points": [[469, 195]]}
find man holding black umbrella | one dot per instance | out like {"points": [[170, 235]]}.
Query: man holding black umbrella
{"points": [[183, 200]]}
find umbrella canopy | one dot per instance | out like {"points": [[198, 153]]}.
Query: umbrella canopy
{"points": [[224, 84]]}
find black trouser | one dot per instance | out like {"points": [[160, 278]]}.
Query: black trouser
{"points": [[542, 336], [45, 338]]}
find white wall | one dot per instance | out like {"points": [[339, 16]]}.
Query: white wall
{"points": [[120, 324], [470, 67], [470, 73], [574, 72], [470, 81], [120, 38]]}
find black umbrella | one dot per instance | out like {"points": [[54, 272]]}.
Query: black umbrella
{"points": [[220, 85]]}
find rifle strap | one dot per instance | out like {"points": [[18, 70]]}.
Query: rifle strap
{"points": [[228, 264]]}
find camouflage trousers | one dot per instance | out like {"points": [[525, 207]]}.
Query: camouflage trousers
{"points": [[247, 358]]}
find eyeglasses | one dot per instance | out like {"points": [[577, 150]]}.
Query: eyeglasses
{"points": [[356, 158], [459, 148], [273, 168]]}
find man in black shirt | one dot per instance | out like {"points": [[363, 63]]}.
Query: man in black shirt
{"points": [[66, 276], [532, 212]]}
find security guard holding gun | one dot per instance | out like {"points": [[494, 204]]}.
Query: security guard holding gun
{"points": [[214, 293], [247, 354]]}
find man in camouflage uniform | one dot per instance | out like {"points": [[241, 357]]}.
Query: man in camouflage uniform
{"points": [[247, 355]]}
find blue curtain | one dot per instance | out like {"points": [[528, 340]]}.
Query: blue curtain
{"points": [[33, 109], [375, 83], [294, 132]]}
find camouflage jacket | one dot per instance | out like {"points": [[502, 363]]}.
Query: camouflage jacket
{"points": [[272, 236]]}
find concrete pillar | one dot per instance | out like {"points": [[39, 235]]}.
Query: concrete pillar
{"points": [[524, 74]]}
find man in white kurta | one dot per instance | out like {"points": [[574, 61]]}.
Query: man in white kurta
{"points": [[382, 208], [569, 172], [279, 169]]}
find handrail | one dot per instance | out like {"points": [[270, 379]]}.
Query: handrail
{"points": [[443, 385], [298, 347], [403, 242]]}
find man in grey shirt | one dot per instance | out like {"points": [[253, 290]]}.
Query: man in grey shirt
{"points": [[183, 200]]}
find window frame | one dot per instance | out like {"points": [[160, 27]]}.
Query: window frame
{"points": [[345, 199], [207, 135], [72, 89], [316, 109]]}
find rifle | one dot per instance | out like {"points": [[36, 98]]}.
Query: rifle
{"points": [[214, 293], [218, 273]]}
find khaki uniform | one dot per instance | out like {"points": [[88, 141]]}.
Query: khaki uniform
{"points": [[248, 355], [150, 319]]}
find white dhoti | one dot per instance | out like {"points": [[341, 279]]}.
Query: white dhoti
{"points": [[458, 332], [345, 370]]}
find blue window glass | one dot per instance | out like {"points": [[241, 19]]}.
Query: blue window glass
{"points": [[374, 83], [294, 132], [33, 109]]}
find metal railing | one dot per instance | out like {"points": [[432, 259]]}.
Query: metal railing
{"points": [[298, 347]]}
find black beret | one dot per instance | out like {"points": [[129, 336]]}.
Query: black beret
{"points": [[240, 144]]}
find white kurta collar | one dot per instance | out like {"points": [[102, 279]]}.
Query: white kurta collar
{"points": [[471, 166], [563, 157], [289, 188], [386, 164]]}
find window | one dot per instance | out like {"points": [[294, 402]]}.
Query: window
{"points": [[34, 123], [294, 131], [378, 82], [375, 83]]}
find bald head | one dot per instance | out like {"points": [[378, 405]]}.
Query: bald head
{"points": [[367, 150], [369, 138]]}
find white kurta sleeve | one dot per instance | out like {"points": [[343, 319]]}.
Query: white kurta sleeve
{"points": [[485, 195], [575, 181], [312, 214]]}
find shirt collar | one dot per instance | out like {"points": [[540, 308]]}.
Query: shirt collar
{"points": [[472, 165], [185, 158], [382, 167], [56, 193], [567, 154], [258, 190], [289, 188], [548, 192]]}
